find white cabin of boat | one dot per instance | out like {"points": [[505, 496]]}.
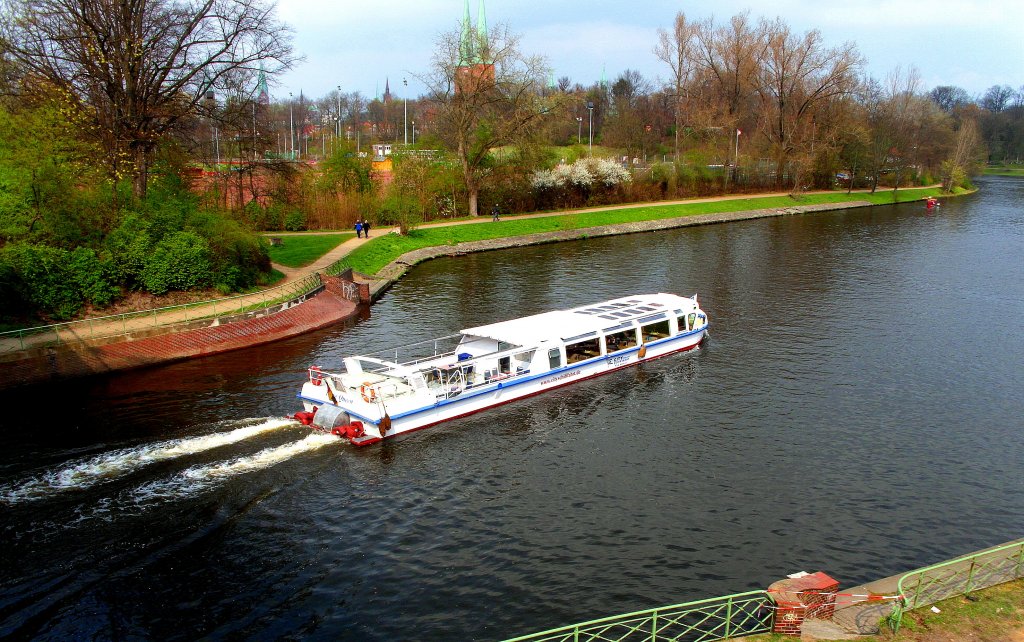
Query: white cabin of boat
{"points": [[494, 358]]}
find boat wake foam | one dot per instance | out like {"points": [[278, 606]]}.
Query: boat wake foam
{"points": [[80, 474], [199, 478]]}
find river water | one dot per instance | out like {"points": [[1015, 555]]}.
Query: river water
{"points": [[857, 411]]}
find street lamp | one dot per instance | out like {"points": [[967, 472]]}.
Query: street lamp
{"points": [[579, 130], [736, 157], [337, 127], [590, 108], [414, 133], [405, 123], [291, 123]]}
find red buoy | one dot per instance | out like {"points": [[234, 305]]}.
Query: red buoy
{"points": [[306, 418], [355, 430]]}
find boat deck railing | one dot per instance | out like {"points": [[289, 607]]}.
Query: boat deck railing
{"points": [[411, 354], [439, 351]]}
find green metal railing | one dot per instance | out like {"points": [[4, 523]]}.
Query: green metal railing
{"points": [[121, 324], [703, 621], [957, 577]]}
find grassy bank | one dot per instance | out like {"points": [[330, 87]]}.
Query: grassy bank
{"points": [[993, 615], [373, 256], [299, 251], [1005, 170]]}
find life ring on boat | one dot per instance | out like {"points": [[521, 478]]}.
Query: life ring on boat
{"points": [[315, 375], [368, 392]]}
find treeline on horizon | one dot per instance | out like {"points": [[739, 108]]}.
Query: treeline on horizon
{"points": [[141, 153]]}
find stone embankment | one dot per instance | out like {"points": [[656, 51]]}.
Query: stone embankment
{"points": [[397, 268]]}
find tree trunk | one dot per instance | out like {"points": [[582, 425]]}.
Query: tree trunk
{"points": [[140, 176], [474, 197]]}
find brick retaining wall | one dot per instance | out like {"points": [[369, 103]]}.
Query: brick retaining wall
{"points": [[221, 335]]}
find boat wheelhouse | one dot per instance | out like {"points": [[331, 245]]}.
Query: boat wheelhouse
{"points": [[423, 384]]}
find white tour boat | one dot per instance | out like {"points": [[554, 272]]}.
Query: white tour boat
{"points": [[412, 387]]}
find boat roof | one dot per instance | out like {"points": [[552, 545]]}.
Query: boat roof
{"points": [[567, 324]]}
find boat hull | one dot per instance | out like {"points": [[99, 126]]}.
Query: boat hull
{"points": [[374, 414]]}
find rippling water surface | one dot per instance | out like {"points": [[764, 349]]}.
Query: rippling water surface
{"points": [[858, 411]]}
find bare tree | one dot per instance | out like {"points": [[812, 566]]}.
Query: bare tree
{"points": [[487, 94], [140, 66], [731, 57], [949, 98], [677, 50], [798, 76], [965, 156], [997, 98]]}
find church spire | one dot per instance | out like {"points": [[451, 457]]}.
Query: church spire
{"points": [[481, 34], [467, 52]]}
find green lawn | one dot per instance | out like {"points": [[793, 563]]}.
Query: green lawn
{"points": [[373, 256], [300, 250], [1005, 170]]}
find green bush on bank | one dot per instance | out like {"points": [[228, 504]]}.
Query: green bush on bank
{"points": [[180, 261], [53, 281]]}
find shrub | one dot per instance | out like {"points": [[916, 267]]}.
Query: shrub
{"points": [[91, 276], [181, 261], [295, 221], [129, 246], [238, 257], [54, 281]]}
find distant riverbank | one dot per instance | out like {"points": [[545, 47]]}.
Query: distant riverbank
{"points": [[387, 258]]}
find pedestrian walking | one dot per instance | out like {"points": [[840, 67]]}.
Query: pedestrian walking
{"points": [[494, 213], [359, 229], [366, 228]]}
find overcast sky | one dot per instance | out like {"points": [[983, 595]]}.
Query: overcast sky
{"points": [[358, 44]]}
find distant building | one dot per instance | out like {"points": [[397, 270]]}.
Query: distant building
{"points": [[476, 65]]}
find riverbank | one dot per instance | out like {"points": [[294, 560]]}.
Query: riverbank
{"points": [[386, 257], [995, 613]]}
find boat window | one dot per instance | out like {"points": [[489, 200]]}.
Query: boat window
{"points": [[651, 318], [621, 340], [617, 328], [578, 337], [655, 331], [522, 361], [682, 323], [690, 320], [583, 350], [554, 358], [505, 365]]}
